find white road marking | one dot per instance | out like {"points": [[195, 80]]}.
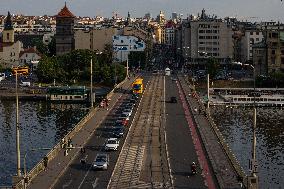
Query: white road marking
{"points": [[85, 176], [95, 184], [67, 184]]}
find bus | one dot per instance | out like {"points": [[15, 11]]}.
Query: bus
{"points": [[21, 70], [137, 86]]}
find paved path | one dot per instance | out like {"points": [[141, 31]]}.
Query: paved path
{"points": [[58, 165], [222, 166]]}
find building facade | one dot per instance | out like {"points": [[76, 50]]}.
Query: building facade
{"points": [[64, 31], [249, 38], [9, 49], [210, 37]]}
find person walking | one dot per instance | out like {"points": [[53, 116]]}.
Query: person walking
{"points": [[45, 162]]}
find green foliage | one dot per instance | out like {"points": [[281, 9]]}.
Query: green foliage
{"points": [[213, 67], [52, 47], [75, 66], [135, 58], [40, 46]]}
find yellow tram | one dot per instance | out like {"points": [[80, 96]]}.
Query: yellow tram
{"points": [[137, 86]]}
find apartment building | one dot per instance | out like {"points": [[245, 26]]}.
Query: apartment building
{"points": [[211, 37], [249, 38]]}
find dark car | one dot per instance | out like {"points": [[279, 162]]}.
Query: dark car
{"points": [[118, 132], [173, 99]]}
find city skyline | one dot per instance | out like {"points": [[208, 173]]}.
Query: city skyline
{"points": [[253, 10]]}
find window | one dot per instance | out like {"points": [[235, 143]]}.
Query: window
{"points": [[282, 52], [273, 60], [257, 39], [274, 35], [257, 33], [201, 31], [282, 60], [8, 36], [251, 33], [273, 52]]}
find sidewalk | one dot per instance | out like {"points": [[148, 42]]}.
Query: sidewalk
{"points": [[57, 166], [222, 166]]}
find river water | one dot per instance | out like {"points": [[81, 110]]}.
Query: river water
{"points": [[42, 126], [236, 126]]}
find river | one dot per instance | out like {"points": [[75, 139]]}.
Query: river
{"points": [[236, 126], [42, 126]]}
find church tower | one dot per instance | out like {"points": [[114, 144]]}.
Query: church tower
{"points": [[8, 32], [64, 36]]}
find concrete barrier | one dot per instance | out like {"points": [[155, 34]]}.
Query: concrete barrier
{"points": [[39, 167]]}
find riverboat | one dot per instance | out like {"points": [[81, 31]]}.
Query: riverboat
{"points": [[67, 93], [248, 97]]}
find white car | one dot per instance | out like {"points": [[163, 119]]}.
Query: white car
{"points": [[101, 162], [112, 144]]}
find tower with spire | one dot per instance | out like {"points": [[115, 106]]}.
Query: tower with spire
{"points": [[8, 32], [64, 31]]}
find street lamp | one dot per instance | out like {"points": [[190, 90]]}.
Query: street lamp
{"points": [[253, 178], [91, 91]]}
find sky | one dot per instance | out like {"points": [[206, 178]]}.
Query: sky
{"points": [[252, 10]]}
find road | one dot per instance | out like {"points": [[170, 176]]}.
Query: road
{"points": [[180, 142], [143, 160], [83, 176]]}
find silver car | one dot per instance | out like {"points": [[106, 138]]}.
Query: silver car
{"points": [[101, 161]]}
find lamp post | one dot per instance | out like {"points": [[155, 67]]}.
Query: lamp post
{"points": [[18, 130], [252, 181], [91, 93]]}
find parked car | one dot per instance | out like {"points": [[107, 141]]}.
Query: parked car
{"points": [[112, 144], [25, 84], [117, 132], [101, 161], [173, 99]]}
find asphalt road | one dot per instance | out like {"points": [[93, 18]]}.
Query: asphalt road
{"points": [[180, 144], [83, 176]]}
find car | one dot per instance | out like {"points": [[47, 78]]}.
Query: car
{"points": [[112, 144], [121, 121], [123, 117], [101, 161], [173, 99], [117, 132]]}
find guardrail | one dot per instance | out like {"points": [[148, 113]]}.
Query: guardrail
{"points": [[233, 160], [39, 167]]}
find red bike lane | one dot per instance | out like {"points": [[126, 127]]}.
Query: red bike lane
{"points": [[203, 163]]}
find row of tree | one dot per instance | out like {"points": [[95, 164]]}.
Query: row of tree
{"points": [[76, 67]]}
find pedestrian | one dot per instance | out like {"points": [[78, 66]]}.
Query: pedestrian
{"points": [[45, 162], [195, 109], [69, 142]]}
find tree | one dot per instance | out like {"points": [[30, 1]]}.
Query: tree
{"points": [[213, 67], [40, 46]]}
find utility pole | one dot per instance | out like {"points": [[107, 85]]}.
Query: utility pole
{"points": [[92, 104], [208, 82], [18, 130]]}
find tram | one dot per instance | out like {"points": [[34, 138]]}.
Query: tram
{"points": [[137, 86]]}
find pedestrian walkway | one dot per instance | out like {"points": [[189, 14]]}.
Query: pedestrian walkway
{"points": [[223, 168], [57, 166]]}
